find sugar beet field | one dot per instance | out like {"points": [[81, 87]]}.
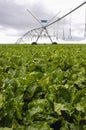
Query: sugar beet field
{"points": [[42, 87]]}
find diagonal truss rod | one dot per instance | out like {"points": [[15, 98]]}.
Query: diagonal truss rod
{"points": [[66, 14], [34, 17], [53, 17], [39, 20]]}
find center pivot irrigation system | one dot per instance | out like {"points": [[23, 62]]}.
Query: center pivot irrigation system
{"points": [[36, 33]]}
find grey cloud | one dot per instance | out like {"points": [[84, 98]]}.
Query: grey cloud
{"points": [[11, 15], [15, 16]]}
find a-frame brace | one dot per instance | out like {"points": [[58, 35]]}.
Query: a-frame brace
{"points": [[44, 29]]}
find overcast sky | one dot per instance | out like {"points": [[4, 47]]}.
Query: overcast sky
{"points": [[15, 20]]}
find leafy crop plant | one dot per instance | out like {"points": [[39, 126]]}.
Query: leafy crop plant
{"points": [[42, 87]]}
